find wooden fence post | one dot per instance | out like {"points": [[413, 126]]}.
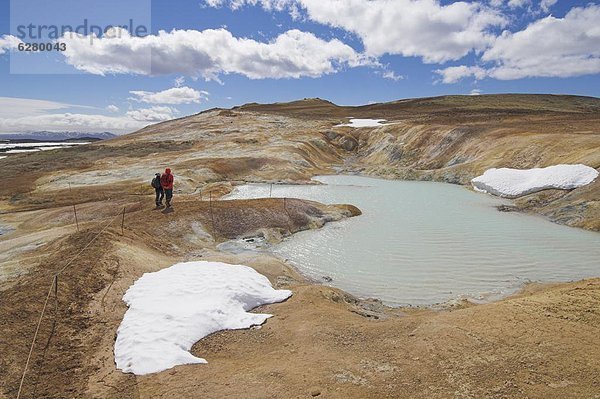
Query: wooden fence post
{"points": [[123, 222]]}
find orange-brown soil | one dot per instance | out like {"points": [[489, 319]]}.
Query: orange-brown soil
{"points": [[542, 343]]}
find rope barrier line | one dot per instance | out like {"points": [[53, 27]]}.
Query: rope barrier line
{"points": [[88, 244], [74, 209], [37, 329], [54, 287], [210, 207]]}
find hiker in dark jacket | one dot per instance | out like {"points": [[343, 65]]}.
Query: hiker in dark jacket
{"points": [[160, 194], [166, 180]]}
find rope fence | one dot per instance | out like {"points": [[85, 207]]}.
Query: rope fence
{"points": [[74, 208], [54, 287]]}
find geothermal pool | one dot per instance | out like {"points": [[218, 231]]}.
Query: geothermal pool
{"points": [[422, 243]]}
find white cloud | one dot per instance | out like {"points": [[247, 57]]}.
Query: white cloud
{"points": [[518, 3], [421, 28], [545, 5], [25, 114], [437, 32], [270, 5], [179, 81], [14, 107], [533, 7], [475, 92], [152, 114], [209, 53], [295, 12], [391, 75], [8, 42], [550, 47], [69, 122], [456, 73], [175, 95]]}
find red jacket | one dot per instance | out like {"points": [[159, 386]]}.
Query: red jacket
{"points": [[166, 180]]}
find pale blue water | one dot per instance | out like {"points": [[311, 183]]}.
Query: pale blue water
{"points": [[421, 243]]}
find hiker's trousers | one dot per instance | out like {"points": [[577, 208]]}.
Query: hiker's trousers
{"points": [[160, 194]]}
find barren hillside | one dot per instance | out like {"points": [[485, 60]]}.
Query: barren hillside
{"points": [[453, 139], [322, 342]]}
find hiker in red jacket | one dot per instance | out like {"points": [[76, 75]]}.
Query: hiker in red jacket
{"points": [[166, 181]]}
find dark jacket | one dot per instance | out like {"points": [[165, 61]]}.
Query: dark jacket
{"points": [[156, 183]]}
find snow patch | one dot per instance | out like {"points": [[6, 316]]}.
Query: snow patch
{"points": [[21, 150], [173, 308], [512, 183], [38, 144], [363, 123]]}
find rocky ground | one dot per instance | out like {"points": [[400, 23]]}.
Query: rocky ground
{"points": [[322, 342]]}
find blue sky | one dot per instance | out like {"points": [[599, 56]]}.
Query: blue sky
{"points": [[229, 52]]}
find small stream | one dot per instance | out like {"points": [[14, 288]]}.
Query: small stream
{"points": [[422, 243]]}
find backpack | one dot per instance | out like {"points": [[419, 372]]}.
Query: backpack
{"points": [[156, 182]]}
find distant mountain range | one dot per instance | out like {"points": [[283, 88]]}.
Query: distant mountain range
{"points": [[56, 136]]}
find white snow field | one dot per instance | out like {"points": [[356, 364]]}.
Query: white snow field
{"points": [[363, 123], [173, 308], [40, 144], [512, 183]]}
